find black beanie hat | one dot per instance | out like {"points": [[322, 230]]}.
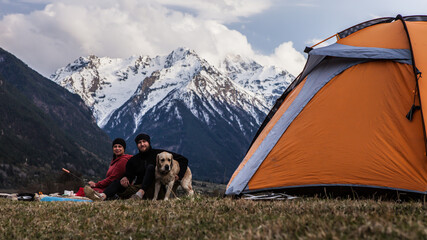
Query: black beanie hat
{"points": [[120, 141], [142, 136]]}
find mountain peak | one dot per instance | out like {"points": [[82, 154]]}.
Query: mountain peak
{"points": [[105, 84], [179, 55], [267, 81], [90, 61], [181, 99], [239, 64]]}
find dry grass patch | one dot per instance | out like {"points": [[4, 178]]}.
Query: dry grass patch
{"points": [[214, 218]]}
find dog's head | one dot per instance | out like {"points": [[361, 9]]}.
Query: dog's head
{"points": [[164, 162]]}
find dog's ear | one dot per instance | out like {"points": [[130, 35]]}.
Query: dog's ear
{"points": [[157, 158]]}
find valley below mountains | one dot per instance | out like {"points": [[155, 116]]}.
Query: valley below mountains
{"points": [[208, 114]]}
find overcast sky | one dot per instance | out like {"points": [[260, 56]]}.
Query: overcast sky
{"points": [[48, 35]]}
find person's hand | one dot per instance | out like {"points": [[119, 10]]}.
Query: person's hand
{"points": [[124, 182], [176, 178], [92, 184]]}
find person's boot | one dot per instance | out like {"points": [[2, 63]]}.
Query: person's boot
{"points": [[92, 194]]}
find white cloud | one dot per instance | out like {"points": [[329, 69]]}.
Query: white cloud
{"points": [[67, 29], [286, 57]]}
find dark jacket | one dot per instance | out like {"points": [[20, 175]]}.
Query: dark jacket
{"points": [[138, 164]]}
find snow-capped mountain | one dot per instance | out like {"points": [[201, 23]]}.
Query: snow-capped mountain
{"points": [[184, 103], [269, 82], [105, 84]]}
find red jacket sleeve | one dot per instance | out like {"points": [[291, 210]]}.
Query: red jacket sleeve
{"points": [[116, 171]]}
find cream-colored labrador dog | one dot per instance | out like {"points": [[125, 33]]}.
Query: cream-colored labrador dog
{"points": [[166, 170]]}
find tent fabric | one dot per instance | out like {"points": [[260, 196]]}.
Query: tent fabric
{"points": [[344, 51], [332, 185], [390, 35], [372, 22], [313, 83], [261, 138], [343, 122], [337, 137], [363, 25], [418, 31], [338, 50], [312, 62]]}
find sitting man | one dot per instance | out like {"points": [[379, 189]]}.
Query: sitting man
{"points": [[139, 175]]}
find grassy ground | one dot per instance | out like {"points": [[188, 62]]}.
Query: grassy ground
{"points": [[214, 218]]}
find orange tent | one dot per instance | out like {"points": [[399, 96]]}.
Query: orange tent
{"points": [[353, 117]]}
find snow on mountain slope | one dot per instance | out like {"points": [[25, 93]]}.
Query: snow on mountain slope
{"points": [[188, 106], [105, 83], [192, 108], [179, 68], [269, 82], [187, 77]]}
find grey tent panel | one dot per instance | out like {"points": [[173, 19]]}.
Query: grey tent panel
{"points": [[345, 51]]}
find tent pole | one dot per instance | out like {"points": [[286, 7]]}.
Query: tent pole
{"points": [[416, 74]]}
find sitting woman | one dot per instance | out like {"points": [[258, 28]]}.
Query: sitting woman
{"points": [[115, 171]]}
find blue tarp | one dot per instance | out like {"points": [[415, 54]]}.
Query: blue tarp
{"points": [[63, 199]]}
